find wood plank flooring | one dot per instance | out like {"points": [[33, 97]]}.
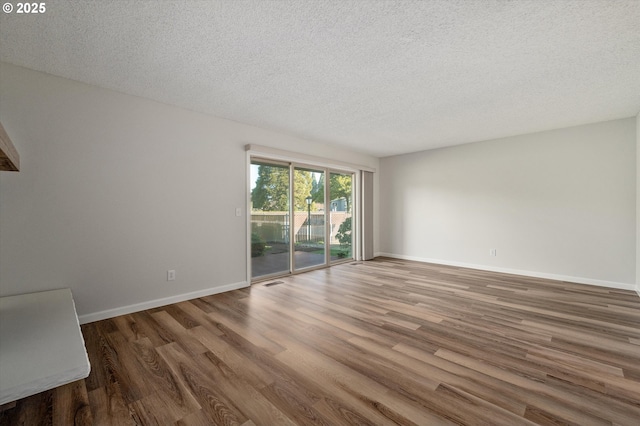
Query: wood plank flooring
{"points": [[381, 342]]}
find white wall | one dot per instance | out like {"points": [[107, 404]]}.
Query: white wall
{"points": [[115, 190], [638, 203], [557, 204]]}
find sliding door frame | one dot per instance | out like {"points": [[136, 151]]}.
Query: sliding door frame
{"points": [[293, 166], [327, 168]]}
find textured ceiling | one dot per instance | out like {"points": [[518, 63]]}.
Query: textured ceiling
{"points": [[382, 77]]}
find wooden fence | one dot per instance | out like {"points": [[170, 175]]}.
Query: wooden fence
{"points": [[273, 227]]}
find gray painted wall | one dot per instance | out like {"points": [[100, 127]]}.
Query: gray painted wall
{"points": [[115, 190], [638, 203], [558, 204]]}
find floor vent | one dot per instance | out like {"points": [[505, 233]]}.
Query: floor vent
{"points": [[273, 283], [355, 263]]}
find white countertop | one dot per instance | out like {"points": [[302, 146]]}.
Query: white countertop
{"points": [[41, 345]]}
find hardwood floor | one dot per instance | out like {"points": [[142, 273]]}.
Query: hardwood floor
{"points": [[380, 342]]}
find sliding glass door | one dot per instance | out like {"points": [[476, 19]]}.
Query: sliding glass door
{"points": [[341, 215], [308, 218], [293, 227], [270, 200]]}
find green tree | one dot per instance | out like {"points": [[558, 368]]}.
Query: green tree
{"points": [[344, 233], [271, 192], [339, 187], [317, 192], [302, 186], [314, 184]]}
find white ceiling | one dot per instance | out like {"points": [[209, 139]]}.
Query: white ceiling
{"points": [[382, 77]]}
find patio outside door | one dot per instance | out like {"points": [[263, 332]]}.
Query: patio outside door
{"points": [[293, 227], [270, 219], [309, 235]]}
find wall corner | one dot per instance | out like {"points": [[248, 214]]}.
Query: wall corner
{"points": [[638, 203]]}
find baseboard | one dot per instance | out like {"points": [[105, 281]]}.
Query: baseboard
{"points": [[124, 310], [578, 280]]}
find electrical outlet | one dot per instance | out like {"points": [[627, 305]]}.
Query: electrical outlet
{"points": [[493, 252], [171, 275], [238, 211]]}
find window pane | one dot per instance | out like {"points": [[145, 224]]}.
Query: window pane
{"points": [[269, 219], [341, 205], [308, 211]]}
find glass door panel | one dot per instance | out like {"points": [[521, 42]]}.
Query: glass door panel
{"points": [[298, 220], [340, 215], [308, 230], [269, 219]]}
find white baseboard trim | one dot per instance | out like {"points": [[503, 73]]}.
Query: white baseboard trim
{"points": [[124, 310], [579, 280]]}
